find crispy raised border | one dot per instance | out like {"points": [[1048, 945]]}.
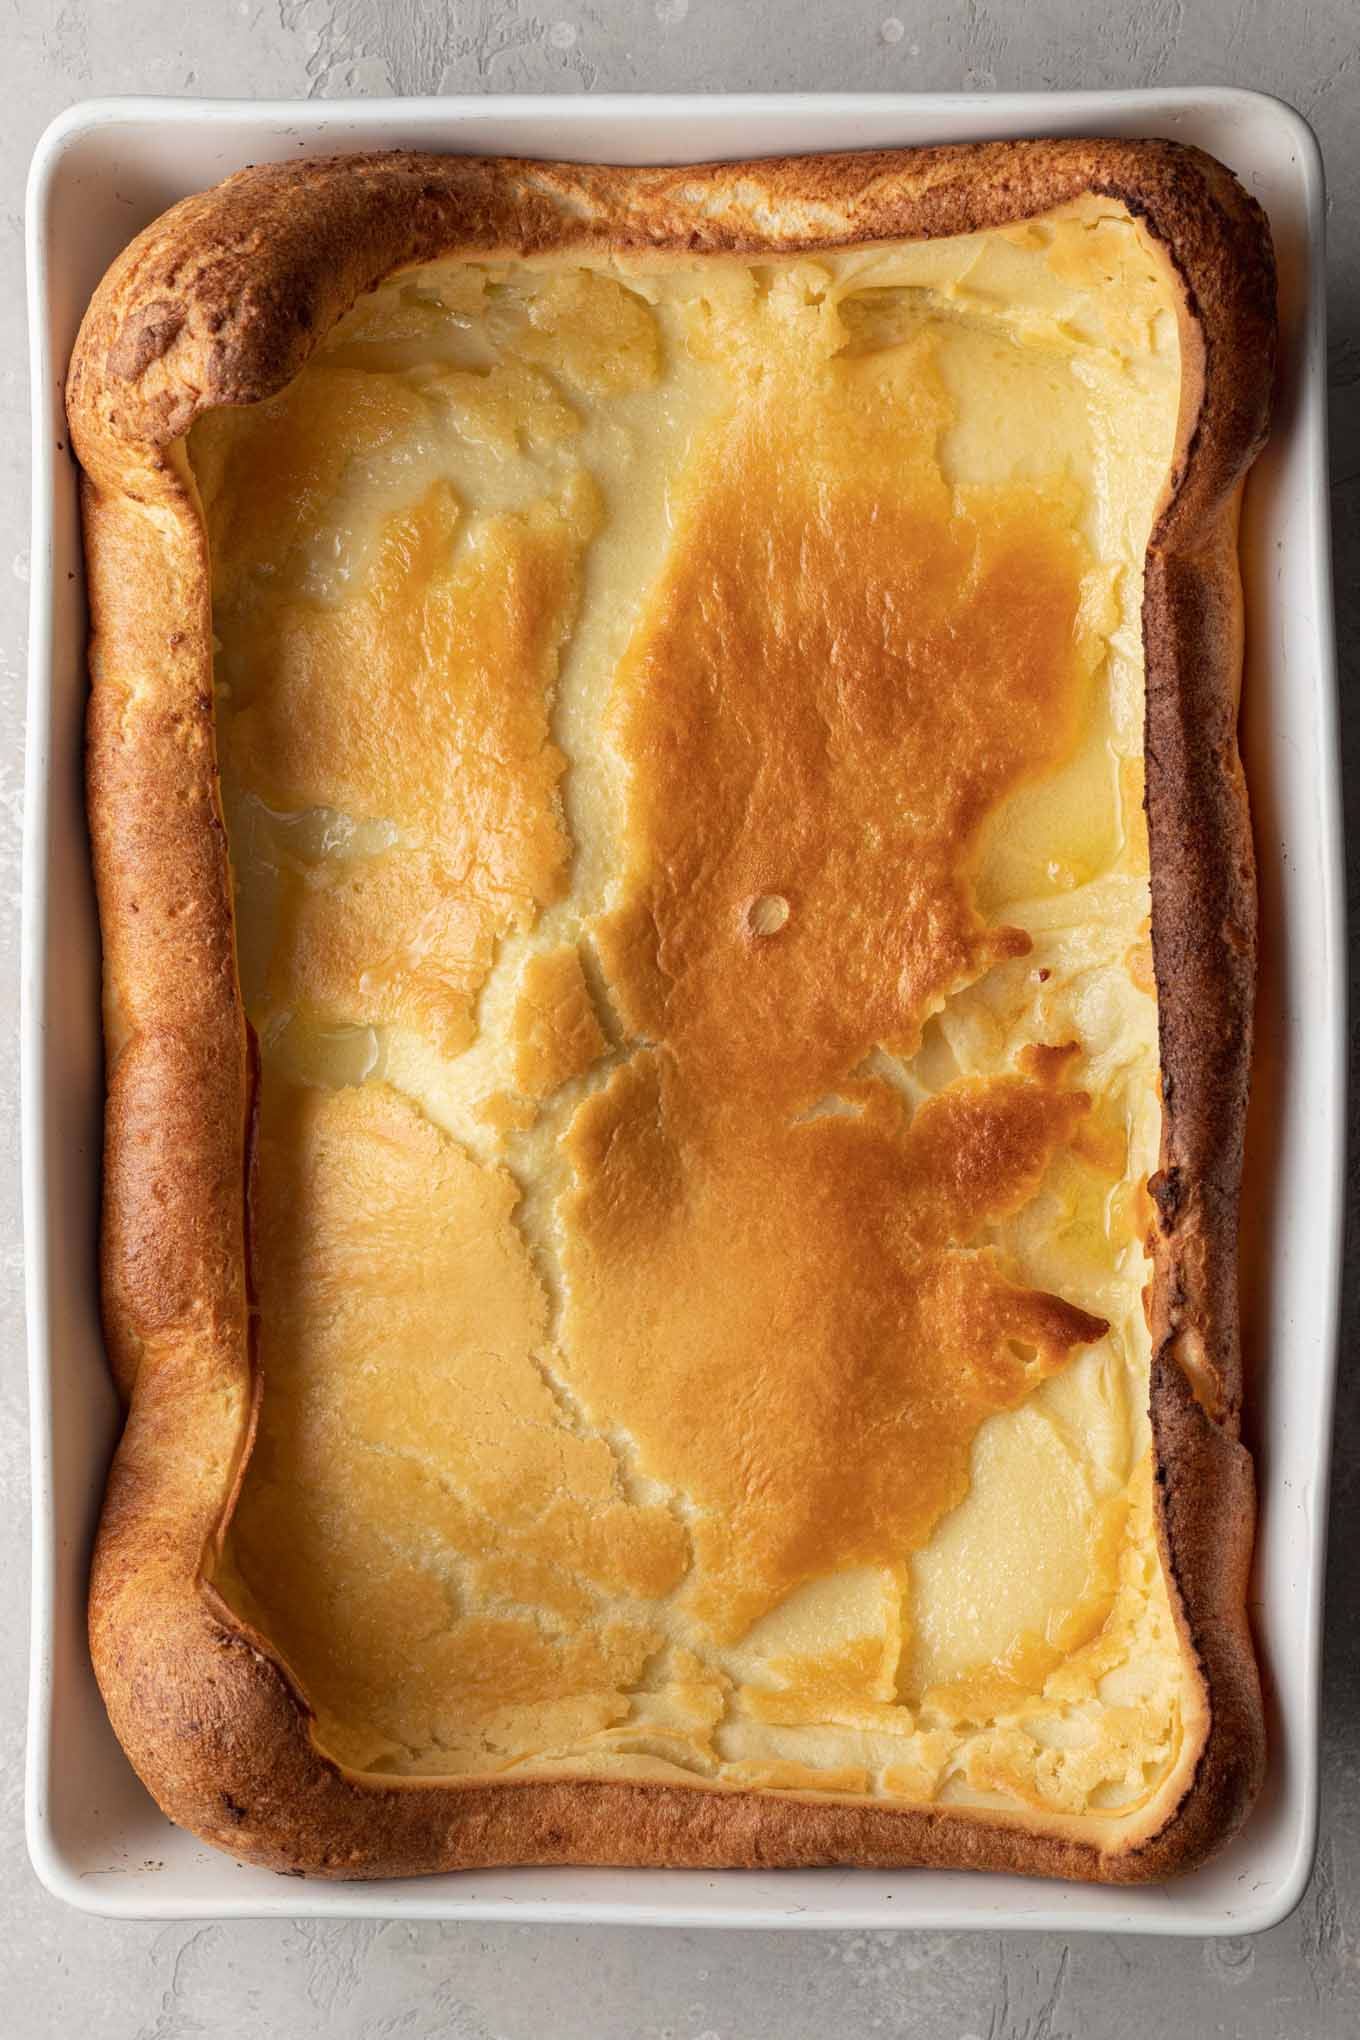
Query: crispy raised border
{"points": [[220, 302]]}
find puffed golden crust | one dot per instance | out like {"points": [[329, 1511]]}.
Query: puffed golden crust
{"points": [[220, 302]]}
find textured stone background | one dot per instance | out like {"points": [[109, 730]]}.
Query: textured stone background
{"points": [[62, 1975]]}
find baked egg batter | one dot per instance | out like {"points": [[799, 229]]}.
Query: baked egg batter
{"points": [[681, 727]]}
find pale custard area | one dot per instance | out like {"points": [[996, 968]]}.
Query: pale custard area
{"points": [[681, 732]]}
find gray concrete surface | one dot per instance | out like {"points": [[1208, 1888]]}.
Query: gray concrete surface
{"points": [[62, 1975]]}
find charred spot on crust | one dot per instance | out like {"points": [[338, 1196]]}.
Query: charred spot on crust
{"points": [[1167, 1193], [150, 333]]}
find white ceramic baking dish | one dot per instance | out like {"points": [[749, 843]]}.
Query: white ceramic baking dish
{"points": [[100, 173]]}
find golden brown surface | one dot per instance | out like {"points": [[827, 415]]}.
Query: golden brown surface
{"points": [[804, 876], [783, 1247]]}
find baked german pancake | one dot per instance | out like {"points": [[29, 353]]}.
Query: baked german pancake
{"points": [[679, 936]]}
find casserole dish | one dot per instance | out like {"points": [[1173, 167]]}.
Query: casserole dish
{"points": [[535, 145]]}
